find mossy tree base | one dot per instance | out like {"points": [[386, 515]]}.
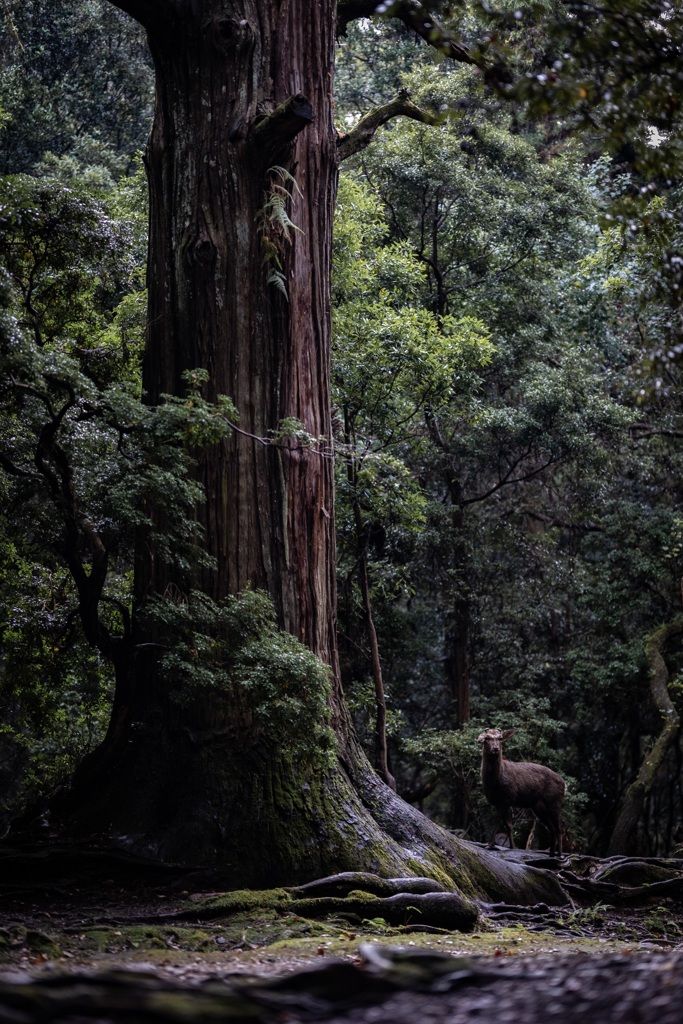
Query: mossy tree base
{"points": [[259, 819]]}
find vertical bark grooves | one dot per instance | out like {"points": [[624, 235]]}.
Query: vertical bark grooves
{"points": [[269, 518]]}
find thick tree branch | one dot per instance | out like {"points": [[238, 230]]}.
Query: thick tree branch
{"points": [[277, 130], [147, 12], [415, 17], [362, 135], [352, 10], [56, 471]]}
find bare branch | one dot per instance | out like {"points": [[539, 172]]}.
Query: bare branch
{"points": [[644, 431], [362, 135], [270, 442], [508, 480], [561, 524]]}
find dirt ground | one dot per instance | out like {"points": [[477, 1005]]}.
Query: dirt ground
{"points": [[111, 945]]}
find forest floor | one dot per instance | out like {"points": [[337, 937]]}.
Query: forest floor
{"points": [[107, 940]]}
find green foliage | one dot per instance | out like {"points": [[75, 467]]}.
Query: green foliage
{"points": [[613, 68], [539, 556], [274, 224], [273, 215], [393, 359], [506, 390], [454, 756], [361, 701], [292, 429], [55, 690], [372, 58], [488, 220], [638, 275], [236, 650], [76, 81], [124, 462], [70, 263], [449, 754], [88, 471]]}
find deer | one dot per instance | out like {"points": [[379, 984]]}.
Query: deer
{"points": [[509, 784]]}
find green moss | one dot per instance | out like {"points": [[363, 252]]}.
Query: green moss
{"points": [[9, 940], [437, 866], [18, 938], [289, 937], [478, 878], [144, 938], [319, 906], [109, 940], [242, 901], [482, 875], [337, 939], [42, 944]]}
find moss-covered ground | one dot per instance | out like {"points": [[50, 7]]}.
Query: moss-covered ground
{"points": [[256, 933]]}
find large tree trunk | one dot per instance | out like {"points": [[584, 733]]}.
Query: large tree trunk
{"points": [[222, 70], [242, 88], [243, 96]]}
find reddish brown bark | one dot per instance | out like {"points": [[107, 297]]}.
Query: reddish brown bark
{"points": [[269, 520]]}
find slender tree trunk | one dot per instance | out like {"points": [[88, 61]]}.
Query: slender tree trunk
{"points": [[456, 661], [459, 615], [381, 750], [623, 835], [457, 643], [459, 619]]}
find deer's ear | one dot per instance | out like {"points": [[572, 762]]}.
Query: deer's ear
{"points": [[508, 732], [481, 737]]}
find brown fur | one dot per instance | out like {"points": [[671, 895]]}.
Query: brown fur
{"points": [[509, 784]]}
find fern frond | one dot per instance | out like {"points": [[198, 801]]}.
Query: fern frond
{"points": [[277, 278], [285, 175]]}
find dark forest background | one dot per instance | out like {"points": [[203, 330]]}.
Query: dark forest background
{"points": [[507, 416]]}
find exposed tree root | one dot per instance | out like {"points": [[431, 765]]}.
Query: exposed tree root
{"points": [[624, 881]]}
